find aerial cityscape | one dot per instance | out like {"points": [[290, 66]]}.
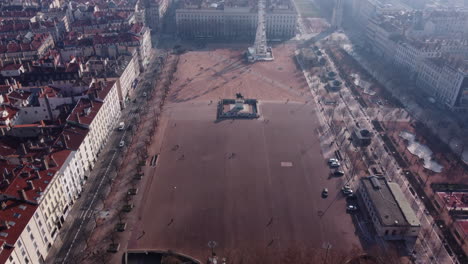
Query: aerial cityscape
{"points": [[234, 131]]}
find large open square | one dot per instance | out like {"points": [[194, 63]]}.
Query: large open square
{"points": [[242, 183]]}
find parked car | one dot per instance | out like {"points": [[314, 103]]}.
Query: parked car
{"points": [[325, 193], [121, 126], [332, 160], [338, 173], [351, 208], [121, 144], [334, 165], [347, 190], [351, 197]]}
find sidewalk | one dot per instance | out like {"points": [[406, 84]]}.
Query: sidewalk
{"points": [[136, 160], [88, 212]]}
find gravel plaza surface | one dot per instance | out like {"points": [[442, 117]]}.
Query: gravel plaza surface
{"points": [[242, 183]]}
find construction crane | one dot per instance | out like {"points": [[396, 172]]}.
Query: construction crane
{"points": [[260, 51]]}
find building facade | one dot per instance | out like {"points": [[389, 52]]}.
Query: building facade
{"points": [[390, 212], [217, 21]]}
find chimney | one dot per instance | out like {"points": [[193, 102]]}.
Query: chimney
{"points": [[3, 205], [64, 141], [6, 225], [23, 195], [78, 117], [38, 175], [24, 151], [30, 185], [45, 164]]}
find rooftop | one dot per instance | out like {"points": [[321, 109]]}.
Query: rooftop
{"points": [[391, 206], [84, 112], [454, 200]]}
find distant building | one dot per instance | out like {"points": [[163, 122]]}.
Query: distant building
{"points": [[361, 137], [42, 176], [234, 19], [446, 80], [390, 212], [337, 15]]}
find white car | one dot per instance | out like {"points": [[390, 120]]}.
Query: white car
{"points": [[332, 160], [121, 144], [347, 190], [351, 208], [334, 165]]}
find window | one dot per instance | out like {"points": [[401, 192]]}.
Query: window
{"points": [[28, 228]]}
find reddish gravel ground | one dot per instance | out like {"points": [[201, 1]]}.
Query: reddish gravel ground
{"points": [[221, 73], [226, 181]]}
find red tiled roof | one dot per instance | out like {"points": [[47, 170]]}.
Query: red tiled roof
{"points": [[463, 225], [49, 91], [11, 112], [84, 112], [11, 67], [101, 89], [5, 89], [22, 209], [19, 94], [454, 199], [74, 136]]}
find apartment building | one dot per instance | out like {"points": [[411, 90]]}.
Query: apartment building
{"points": [[43, 178], [384, 31], [446, 80], [124, 71], [29, 47], [391, 214], [364, 10], [409, 55], [442, 23], [234, 20], [33, 209]]}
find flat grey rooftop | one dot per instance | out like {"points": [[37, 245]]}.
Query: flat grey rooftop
{"points": [[391, 206]]}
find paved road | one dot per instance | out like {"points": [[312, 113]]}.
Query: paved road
{"points": [[80, 222], [425, 252]]}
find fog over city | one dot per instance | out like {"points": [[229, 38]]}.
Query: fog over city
{"points": [[234, 131]]}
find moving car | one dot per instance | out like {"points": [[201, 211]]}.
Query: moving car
{"points": [[325, 193]]}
